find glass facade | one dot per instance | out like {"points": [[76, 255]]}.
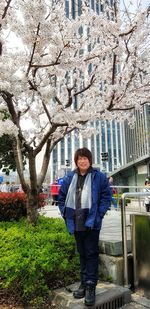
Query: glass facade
{"points": [[122, 143], [106, 139], [138, 137]]}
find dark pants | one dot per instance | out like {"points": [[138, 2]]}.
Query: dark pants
{"points": [[55, 200], [88, 248], [147, 207]]}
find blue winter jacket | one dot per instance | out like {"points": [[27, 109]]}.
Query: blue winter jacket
{"points": [[101, 200]]}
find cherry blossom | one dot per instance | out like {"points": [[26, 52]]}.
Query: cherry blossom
{"points": [[59, 73]]}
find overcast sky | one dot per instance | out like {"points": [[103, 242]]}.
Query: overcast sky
{"points": [[145, 3]]}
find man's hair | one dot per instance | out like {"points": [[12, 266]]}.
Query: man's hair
{"points": [[83, 152], [147, 181]]}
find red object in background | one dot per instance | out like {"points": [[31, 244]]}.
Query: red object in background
{"points": [[54, 188], [114, 191]]}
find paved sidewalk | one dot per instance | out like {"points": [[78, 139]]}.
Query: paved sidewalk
{"points": [[111, 226]]}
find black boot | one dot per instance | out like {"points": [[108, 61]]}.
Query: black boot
{"points": [[90, 293], [80, 292]]}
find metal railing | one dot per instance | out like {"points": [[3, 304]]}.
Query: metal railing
{"points": [[124, 230], [121, 190]]}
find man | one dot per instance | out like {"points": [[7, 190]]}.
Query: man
{"points": [[54, 189], [114, 193], [147, 198], [84, 198], [5, 187]]}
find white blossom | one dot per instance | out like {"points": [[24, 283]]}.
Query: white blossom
{"points": [[57, 78], [7, 127]]}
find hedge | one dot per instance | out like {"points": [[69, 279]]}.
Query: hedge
{"points": [[34, 260], [13, 205]]}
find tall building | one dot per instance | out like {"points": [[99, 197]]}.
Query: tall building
{"points": [[107, 141], [114, 144], [138, 138]]}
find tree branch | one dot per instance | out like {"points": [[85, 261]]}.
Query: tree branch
{"points": [[19, 163], [8, 99], [45, 138], [87, 87], [46, 111], [38, 66], [6, 9], [56, 62], [128, 32], [122, 109], [33, 50], [69, 97], [14, 116], [45, 163]]}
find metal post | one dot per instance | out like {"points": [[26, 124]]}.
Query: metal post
{"points": [[124, 235], [124, 240]]}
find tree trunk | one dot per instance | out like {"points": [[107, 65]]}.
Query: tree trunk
{"points": [[33, 191], [32, 206], [31, 187]]}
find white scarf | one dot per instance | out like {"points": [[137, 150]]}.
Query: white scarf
{"points": [[85, 194]]}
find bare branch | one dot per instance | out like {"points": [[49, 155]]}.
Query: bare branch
{"points": [[32, 86], [58, 101], [126, 33], [45, 163], [122, 109], [1, 48], [69, 97], [46, 111], [8, 99], [87, 87], [33, 50], [6, 9], [45, 138], [14, 116], [18, 159], [56, 62]]}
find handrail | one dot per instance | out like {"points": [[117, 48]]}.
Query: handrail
{"points": [[138, 187], [124, 234]]}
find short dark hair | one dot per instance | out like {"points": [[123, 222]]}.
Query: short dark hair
{"points": [[83, 152], [147, 182]]}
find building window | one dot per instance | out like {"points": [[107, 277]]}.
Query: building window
{"points": [[62, 145], [67, 8]]}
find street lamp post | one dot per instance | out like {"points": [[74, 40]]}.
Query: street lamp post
{"points": [[67, 165], [133, 157]]}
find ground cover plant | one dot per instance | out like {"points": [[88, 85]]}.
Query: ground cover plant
{"points": [[34, 260]]}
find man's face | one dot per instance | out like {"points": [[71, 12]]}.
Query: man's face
{"points": [[83, 164], [110, 180]]}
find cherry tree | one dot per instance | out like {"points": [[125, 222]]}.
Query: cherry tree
{"points": [[59, 72]]}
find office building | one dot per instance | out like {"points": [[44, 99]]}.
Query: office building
{"points": [[113, 144], [137, 138]]}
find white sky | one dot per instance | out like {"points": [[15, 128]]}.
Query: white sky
{"points": [[144, 3]]}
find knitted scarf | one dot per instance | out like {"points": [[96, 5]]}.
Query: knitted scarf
{"points": [[85, 194]]}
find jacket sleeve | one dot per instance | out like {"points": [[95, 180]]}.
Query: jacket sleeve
{"points": [[105, 196], [62, 196]]}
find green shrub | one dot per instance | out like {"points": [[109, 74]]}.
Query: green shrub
{"points": [[13, 205], [36, 259]]}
